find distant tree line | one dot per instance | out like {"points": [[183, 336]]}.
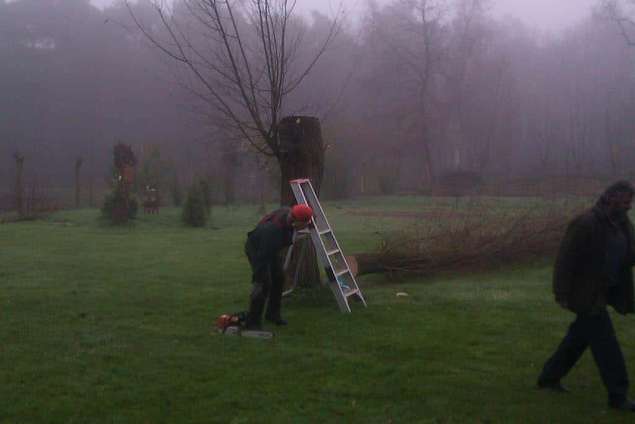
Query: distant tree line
{"points": [[415, 91]]}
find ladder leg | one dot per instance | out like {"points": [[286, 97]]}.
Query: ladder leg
{"points": [[359, 295], [341, 280], [342, 302], [287, 260]]}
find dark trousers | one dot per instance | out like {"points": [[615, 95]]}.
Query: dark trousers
{"points": [[267, 288], [595, 331]]}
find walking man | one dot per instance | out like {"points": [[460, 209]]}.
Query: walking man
{"points": [[593, 270], [273, 233]]}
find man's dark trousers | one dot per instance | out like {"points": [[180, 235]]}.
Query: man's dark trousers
{"points": [[267, 284], [594, 330]]}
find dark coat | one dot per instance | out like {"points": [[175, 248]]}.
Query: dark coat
{"points": [[580, 278], [264, 243]]}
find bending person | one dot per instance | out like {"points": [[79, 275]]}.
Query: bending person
{"points": [[273, 233]]}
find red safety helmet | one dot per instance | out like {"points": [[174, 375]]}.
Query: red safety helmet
{"points": [[302, 213]]}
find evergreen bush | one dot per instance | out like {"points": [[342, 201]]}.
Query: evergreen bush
{"points": [[177, 194], [113, 198], [195, 212]]}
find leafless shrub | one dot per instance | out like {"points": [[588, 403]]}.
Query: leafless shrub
{"points": [[482, 239], [547, 187], [38, 203]]}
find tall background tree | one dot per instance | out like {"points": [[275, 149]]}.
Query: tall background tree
{"points": [[622, 12], [242, 60]]}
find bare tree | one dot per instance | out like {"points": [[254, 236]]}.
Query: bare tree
{"points": [[621, 11], [415, 42], [469, 36], [427, 63], [242, 58]]}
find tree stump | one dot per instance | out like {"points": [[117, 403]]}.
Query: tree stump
{"points": [[301, 155]]}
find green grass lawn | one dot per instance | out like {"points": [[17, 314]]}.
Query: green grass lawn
{"points": [[114, 325]]}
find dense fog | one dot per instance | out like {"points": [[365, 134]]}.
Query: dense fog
{"points": [[412, 90]]}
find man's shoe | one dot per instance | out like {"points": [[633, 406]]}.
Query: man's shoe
{"points": [[626, 405], [278, 321], [253, 326], [554, 386]]}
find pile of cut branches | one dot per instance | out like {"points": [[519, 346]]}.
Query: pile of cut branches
{"points": [[483, 240]]}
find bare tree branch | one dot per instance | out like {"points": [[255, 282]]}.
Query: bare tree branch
{"points": [[240, 58], [616, 12]]}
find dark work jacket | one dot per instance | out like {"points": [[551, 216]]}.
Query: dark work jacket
{"points": [[580, 274], [264, 243]]}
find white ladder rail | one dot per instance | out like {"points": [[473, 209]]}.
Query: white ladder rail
{"points": [[355, 289], [341, 280], [287, 260], [301, 199]]}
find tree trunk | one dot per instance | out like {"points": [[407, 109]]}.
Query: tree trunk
{"points": [[230, 163], [262, 198], [78, 165], [428, 170], [19, 188], [301, 156]]}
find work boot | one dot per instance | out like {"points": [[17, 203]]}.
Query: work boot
{"points": [[625, 405], [552, 386], [253, 322], [253, 326], [276, 320]]}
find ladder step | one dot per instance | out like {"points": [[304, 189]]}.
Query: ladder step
{"points": [[340, 279], [349, 292]]}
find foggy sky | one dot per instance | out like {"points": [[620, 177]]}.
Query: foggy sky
{"points": [[510, 102], [545, 15]]}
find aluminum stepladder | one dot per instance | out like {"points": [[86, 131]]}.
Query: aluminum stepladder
{"points": [[340, 278]]}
